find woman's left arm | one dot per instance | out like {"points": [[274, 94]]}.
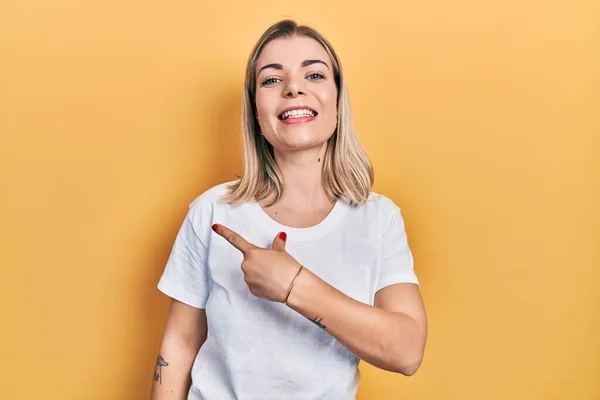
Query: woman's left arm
{"points": [[390, 335]]}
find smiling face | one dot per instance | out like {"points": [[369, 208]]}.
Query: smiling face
{"points": [[296, 95]]}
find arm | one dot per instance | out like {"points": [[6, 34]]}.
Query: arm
{"points": [[184, 334], [390, 335]]}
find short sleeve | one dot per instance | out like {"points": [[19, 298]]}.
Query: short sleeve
{"points": [[186, 276], [397, 264]]}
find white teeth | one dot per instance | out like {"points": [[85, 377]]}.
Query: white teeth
{"points": [[297, 114]]}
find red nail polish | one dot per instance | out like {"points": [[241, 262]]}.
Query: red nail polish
{"points": [[283, 236], [214, 227]]}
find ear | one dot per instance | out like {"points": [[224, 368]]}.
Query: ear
{"points": [[279, 241]]}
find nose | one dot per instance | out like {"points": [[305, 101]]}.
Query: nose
{"points": [[293, 89]]}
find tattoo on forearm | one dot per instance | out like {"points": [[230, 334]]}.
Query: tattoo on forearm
{"points": [[318, 322], [160, 362]]}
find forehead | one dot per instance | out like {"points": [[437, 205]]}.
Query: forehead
{"points": [[291, 51]]}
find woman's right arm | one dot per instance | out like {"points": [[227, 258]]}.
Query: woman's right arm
{"points": [[184, 335]]}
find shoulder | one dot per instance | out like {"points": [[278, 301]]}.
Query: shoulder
{"points": [[211, 196], [202, 209], [203, 206], [383, 209], [380, 203], [391, 221]]}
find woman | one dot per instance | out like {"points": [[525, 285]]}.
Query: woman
{"points": [[283, 280]]}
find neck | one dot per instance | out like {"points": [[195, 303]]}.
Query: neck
{"points": [[302, 178]]}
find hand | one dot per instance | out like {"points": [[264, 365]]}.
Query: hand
{"points": [[267, 272]]}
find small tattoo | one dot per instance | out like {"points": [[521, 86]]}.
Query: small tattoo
{"points": [[318, 322], [160, 362]]}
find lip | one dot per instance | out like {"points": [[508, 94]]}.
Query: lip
{"points": [[298, 108], [299, 120]]}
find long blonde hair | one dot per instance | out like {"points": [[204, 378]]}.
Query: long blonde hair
{"points": [[347, 170]]}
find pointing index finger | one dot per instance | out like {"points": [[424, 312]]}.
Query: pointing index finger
{"points": [[232, 237]]}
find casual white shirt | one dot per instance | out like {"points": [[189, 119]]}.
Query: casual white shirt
{"points": [[257, 349]]}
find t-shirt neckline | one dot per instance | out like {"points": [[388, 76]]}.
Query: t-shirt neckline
{"points": [[301, 234]]}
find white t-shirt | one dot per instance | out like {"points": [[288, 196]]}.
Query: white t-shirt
{"points": [[258, 349]]}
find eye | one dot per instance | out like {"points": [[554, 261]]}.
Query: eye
{"points": [[315, 76], [269, 81]]}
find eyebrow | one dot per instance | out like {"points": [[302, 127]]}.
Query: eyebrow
{"points": [[304, 63]]}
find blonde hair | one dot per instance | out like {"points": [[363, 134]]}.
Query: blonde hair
{"points": [[347, 170]]}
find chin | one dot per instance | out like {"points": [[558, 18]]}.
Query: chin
{"points": [[297, 139], [309, 143]]}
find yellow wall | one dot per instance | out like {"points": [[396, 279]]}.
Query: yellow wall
{"points": [[481, 119]]}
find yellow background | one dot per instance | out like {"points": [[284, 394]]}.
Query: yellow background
{"points": [[481, 119]]}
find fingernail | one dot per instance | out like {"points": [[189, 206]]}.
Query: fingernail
{"points": [[214, 227], [283, 236]]}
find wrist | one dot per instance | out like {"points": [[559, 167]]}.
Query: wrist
{"points": [[291, 287], [306, 283]]}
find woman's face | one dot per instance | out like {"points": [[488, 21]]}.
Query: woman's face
{"points": [[296, 96]]}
